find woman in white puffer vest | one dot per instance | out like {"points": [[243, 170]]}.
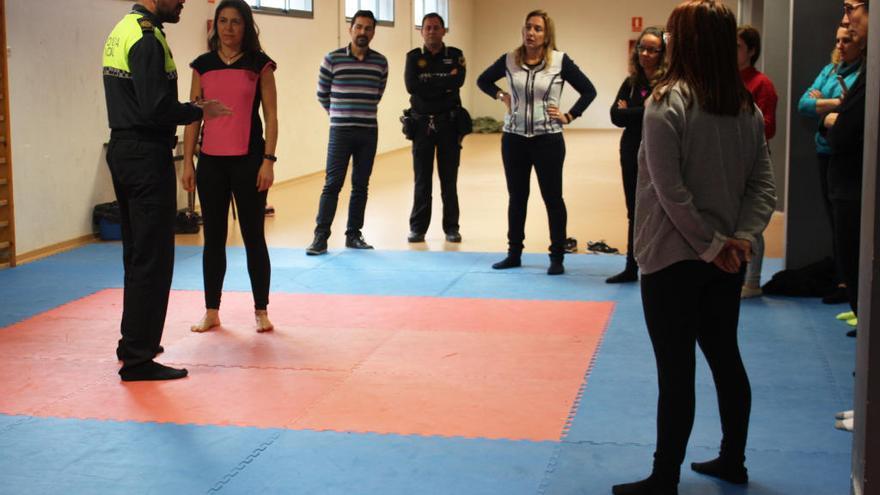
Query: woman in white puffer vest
{"points": [[536, 73]]}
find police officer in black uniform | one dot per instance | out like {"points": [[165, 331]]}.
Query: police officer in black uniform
{"points": [[140, 84], [434, 74]]}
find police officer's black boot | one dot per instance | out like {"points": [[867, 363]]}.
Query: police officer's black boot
{"points": [[318, 245]]}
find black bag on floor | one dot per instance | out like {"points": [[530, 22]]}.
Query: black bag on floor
{"points": [[813, 280]]}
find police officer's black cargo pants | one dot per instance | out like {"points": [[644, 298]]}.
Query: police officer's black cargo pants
{"points": [[145, 183], [444, 140]]}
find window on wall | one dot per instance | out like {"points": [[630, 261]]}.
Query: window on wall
{"points": [[422, 7], [382, 9], [298, 8]]}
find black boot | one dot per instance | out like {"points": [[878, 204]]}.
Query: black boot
{"points": [[356, 241], [556, 267], [627, 275], [512, 260], [318, 245], [730, 471]]}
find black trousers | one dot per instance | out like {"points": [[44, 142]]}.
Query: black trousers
{"points": [[220, 179], [146, 185], [629, 168], [824, 161], [688, 303], [847, 229], [359, 145], [444, 142], [547, 154]]}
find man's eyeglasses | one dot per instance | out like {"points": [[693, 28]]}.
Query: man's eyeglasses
{"points": [[848, 8], [650, 50]]}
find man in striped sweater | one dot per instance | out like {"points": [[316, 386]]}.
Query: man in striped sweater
{"points": [[350, 84]]}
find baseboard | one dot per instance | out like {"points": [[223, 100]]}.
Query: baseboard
{"points": [[50, 250]]}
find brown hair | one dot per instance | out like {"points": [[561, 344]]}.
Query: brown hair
{"points": [[251, 41], [637, 74], [752, 38], [519, 52], [702, 57]]}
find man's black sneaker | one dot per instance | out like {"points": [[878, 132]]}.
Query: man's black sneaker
{"points": [[356, 241], [318, 245], [415, 237]]}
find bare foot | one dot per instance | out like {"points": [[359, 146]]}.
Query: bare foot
{"points": [[209, 321], [263, 323]]}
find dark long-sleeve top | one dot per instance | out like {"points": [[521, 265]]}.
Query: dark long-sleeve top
{"points": [[141, 84], [630, 118], [430, 81], [534, 89], [847, 140]]}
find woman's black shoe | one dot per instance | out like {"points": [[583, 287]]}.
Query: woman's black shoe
{"points": [[647, 486], [728, 471], [556, 268], [623, 277], [509, 262]]}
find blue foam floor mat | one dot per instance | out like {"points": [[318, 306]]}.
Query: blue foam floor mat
{"points": [[800, 366]]}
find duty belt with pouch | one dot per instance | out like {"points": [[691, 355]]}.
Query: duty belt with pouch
{"points": [[459, 117]]}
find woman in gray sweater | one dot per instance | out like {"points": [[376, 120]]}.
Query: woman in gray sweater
{"points": [[705, 191]]}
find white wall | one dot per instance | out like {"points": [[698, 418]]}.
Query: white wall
{"points": [[58, 112], [594, 34]]}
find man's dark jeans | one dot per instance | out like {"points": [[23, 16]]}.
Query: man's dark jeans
{"points": [[358, 144]]}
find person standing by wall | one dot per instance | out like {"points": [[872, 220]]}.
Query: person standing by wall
{"points": [[140, 85], [433, 75], [846, 134], [536, 72], [705, 192], [821, 98], [235, 160], [748, 50], [350, 85], [647, 64]]}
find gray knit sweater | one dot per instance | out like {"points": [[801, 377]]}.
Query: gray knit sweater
{"points": [[702, 179]]}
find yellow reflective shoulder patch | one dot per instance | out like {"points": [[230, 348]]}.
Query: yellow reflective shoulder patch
{"points": [[145, 24]]}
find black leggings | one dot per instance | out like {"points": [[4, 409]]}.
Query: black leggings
{"points": [[688, 303], [547, 154], [629, 168], [219, 179]]}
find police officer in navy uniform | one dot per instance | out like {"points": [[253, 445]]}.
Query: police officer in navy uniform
{"points": [[140, 84], [434, 74]]}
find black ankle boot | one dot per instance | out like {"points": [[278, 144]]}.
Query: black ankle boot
{"points": [[627, 275], [318, 245], [511, 261], [555, 268], [730, 471]]}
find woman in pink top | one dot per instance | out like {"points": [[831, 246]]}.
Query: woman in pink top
{"points": [[235, 159]]}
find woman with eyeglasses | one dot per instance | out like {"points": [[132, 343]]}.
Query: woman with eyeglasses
{"points": [[705, 191], [822, 97], [748, 50], [236, 161], [646, 66], [536, 73]]}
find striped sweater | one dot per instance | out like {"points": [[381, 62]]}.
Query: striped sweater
{"points": [[350, 89]]}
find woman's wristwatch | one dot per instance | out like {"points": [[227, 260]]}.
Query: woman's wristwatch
{"points": [[271, 158]]}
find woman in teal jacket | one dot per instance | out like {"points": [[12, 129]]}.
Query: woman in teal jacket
{"points": [[823, 96]]}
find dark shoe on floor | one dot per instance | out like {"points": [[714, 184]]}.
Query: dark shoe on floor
{"points": [[415, 237], [851, 333], [623, 277], [601, 247], [151, 370], [647, 486], [556, 268], [837, 296], [509, 262], [453, 237], [570, 245], [732, 472], [356, 241], [318, 245]]}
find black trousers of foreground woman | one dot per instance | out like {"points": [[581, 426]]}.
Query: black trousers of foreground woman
{"points": [[686, 304]]}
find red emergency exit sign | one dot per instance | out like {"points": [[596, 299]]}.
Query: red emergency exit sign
{"points": [[637, 24]]}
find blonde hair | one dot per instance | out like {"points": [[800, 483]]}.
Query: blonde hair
{"points": [[519, 53]]}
